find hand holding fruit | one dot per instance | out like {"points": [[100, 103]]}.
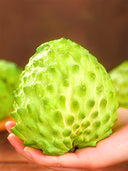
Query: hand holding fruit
{"points": [[110, 151], [65, 102]]}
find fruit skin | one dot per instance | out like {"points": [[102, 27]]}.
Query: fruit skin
{"points": [[119, 77], [65, 99], [9, 73], [9, 76], [5, 100]]}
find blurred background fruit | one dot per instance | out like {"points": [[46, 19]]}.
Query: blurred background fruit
{"points": [[119, 77], [9, 81]]}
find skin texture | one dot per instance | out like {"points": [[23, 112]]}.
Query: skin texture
{"points": [[110, 151]]}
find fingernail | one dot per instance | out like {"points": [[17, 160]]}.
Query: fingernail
{"points": [[9, 137], [28, 155]]}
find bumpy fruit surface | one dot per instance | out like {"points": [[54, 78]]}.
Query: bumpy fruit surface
{"points": [[119, 77], [65, 100], [9, 76]]}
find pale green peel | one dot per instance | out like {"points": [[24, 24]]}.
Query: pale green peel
{"points": [[9, 76], [9, 73], [119, 77], [65, 99], [5, 100]]}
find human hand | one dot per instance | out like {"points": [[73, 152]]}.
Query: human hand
{"points": [[110, 151]]}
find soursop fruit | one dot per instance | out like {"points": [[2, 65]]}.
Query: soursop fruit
{"points": [[9, 76], [119, 77], [5, 100], [65, 99]]}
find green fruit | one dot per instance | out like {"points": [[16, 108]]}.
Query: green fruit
{"points": [[65, 100], [119, 77], [5, 100], [9, 76], [9, 73]]}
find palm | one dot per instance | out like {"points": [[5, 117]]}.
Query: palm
{"points": [[109, 151]]}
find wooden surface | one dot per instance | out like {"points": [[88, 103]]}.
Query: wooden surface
{"points": [[10, 160]]}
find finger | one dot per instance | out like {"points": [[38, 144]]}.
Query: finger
{"points": [[18, 145], [9, 125], [122, 118], [70, 160], [40, 158], [109, 151]]}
